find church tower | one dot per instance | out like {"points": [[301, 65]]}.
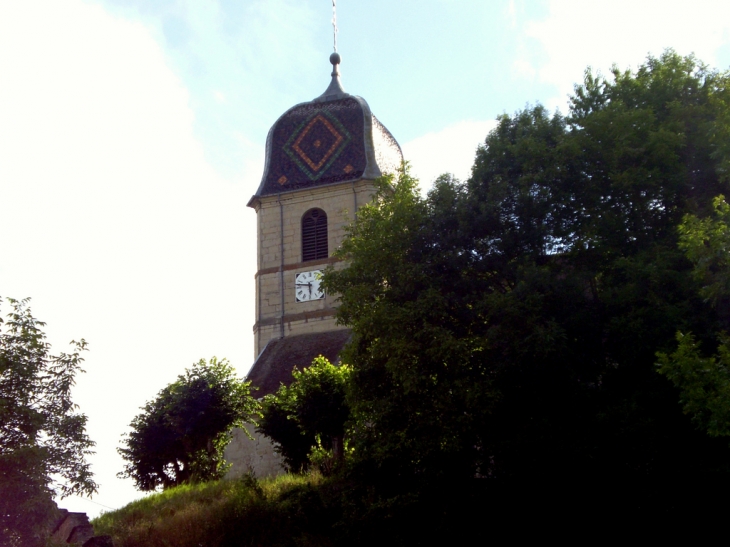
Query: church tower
{"points": [[321, 159]]}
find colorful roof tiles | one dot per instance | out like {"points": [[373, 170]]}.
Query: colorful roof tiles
{"points": [[332, 139]]}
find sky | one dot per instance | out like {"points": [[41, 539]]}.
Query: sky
{"points": [[132, 135]]}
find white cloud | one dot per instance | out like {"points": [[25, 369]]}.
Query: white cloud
{"points": [[111, 219], [524, 68], [450, 150], [577, 34]]}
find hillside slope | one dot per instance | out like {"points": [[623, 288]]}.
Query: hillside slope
{"points": [[288, 510]]}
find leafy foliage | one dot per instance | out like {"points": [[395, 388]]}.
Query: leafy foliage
{"points": [[311, 412], [278, 424], [181, 435], [704, 382], [43, 443], [418, 388], [706, 242], [508, 325]]}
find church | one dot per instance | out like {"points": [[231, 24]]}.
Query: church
{"points": [[322, 157]]}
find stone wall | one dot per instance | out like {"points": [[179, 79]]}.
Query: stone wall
{"points": [[75, 529], [255, 456]]}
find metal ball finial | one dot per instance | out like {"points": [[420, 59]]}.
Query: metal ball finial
{"points": [[334, 90]]}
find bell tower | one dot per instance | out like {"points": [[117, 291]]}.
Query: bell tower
{"points": [[321, 159]]}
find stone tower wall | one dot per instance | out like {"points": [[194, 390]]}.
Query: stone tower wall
{"points": [[339, 202]]}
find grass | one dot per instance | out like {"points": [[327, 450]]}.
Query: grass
{"points": [[301, 511], [286, 510], [309, 510]]}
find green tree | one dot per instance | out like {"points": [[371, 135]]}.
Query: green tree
{"points": [[418, 387], [277, 422], [704, 382], [508, 325], [706, 242], [43, 443], [180, 436], [311, 411]]}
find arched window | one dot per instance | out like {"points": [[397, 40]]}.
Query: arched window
{"points": [[314, 235]]}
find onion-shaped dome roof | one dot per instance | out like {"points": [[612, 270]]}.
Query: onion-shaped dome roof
{"points": [[332, 139]]}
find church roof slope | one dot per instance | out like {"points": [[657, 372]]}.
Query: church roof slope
{"points": [[275, 363]]}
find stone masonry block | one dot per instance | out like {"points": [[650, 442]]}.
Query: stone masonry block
{"points": [[256, 456], [65, 528], [62, 514], [81, 534]]}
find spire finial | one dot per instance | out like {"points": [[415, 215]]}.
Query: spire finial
{"points": [[334, 24], [335, 59], [335, 90]]}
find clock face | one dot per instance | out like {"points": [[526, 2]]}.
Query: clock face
{"points": [[306, 286]]}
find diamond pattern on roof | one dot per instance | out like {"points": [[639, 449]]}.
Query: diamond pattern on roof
{"points": [[316, 143], [326, 142]]}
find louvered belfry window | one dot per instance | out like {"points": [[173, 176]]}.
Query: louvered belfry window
{"points": [[314, 235]]}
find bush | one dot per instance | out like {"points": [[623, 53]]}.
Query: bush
{"points": [[310, 415], [181, 435]]}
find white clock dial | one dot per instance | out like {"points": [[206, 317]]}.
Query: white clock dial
{"points": [[306, 286]]}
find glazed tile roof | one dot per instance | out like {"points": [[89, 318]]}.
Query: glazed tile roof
{"points": [[334, 138]]}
